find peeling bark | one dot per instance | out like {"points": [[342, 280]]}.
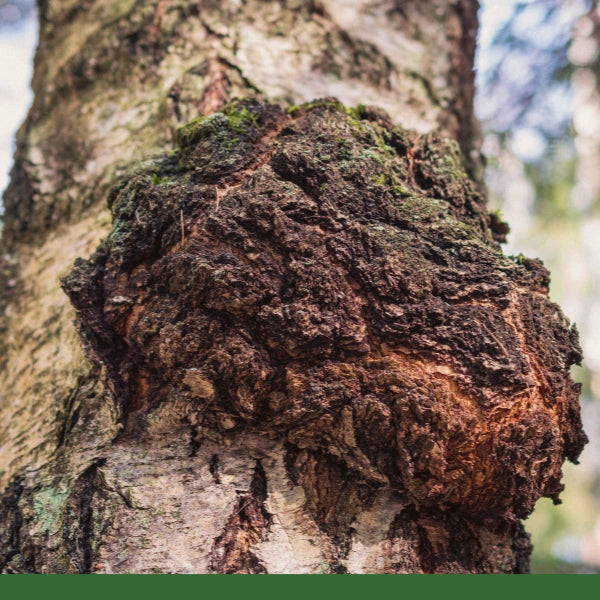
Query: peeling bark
{"points": [[303, 348]]}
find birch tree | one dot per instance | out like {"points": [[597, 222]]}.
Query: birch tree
{"points": [[255, 315]]}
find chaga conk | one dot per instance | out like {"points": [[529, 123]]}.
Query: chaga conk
{"points": [[323, 277]]}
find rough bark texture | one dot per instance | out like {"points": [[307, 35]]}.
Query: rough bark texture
{"points": [[304, 348]]}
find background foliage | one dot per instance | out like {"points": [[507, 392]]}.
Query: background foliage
{"points": [[539, 102]]}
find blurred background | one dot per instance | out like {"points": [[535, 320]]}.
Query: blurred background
{"points": [[18, 34], [538, 80]]}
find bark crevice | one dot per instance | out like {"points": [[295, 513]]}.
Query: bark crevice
{"points": [[249, 524]]}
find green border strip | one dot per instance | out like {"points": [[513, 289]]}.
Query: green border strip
{"points": [[282, 587]]}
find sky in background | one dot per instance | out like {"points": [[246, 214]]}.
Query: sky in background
{"points": [[17, 42]]}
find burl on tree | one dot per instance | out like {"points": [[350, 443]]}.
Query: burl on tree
{"points": [[325, 278]]}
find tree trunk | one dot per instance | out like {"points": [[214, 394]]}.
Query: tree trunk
{"points": [[298, 347]]}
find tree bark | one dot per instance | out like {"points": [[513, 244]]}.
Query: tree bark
{"points": [[298, 347]]}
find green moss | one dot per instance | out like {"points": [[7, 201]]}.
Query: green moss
{"points": [[447, 162], [401, 191], [224, 141], [384, 148], [327, 103], [157, 179], [235, 118], [354, 115], [188, 132], [240, 119], [416, 208], [372, 154]]}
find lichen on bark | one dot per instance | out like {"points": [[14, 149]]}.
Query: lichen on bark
{"points": [[324, 278]]}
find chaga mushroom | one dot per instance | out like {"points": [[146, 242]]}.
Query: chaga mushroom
{"points": [[329, 279]]}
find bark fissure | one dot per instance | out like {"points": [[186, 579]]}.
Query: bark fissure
{"points": [[247, 526], [11, 520], [78, 521], [214, 468]]}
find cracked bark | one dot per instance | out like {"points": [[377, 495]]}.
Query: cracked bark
{"points": [[298, 346]]}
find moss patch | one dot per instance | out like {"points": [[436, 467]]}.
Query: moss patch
{"points": [[221, 143]]}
